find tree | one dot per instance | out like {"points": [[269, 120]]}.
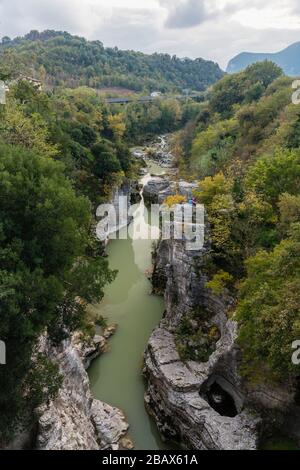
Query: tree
{"points": [[73, 61], [243, 87], [117, 125], [263, 73], [105, 161], [269, 310], [272, 175], [44, 234], [6, 40], [289, 208], [28, 131], [212, 148], [211, 187]]}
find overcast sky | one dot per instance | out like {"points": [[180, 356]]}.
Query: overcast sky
{"points": [[213, 29]]}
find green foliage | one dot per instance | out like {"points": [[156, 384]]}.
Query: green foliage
{"points": [[289, 208], [194, 342], [105, 161], [246, 147], [212, 148], [220, 282], [72, 61], [144, 121], [243, 87], [17, 128], [269, 308], [211, 187], [271, 176], [215, 194], [232, 126], [66, 125], [44, 234]]}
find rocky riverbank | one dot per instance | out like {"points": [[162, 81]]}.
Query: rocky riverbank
{"points": [[181, 393], [75, 420], [157, 151], [195, 392]]}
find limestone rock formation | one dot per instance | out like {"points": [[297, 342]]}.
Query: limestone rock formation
{"points": [[159, 188], [154, 186], [198, 403], [205, 403], [75, 420]]}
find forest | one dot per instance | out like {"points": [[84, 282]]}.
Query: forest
{"points": [[60, 59], [62, 150], [61, 154], [243, 147]]}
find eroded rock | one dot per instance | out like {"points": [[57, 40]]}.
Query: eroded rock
{"points": [[75, 420], [176, 395]]}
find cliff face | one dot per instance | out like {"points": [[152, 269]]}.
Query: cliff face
{"points": [[203, 403], [75, 420]]}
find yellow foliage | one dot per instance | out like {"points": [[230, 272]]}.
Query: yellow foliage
{"points": [[211, 187], [30, 132], [117, 124], [171, 201], [219, 282]]}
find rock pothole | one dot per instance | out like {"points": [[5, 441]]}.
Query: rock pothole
{"points": [[222, 396]]}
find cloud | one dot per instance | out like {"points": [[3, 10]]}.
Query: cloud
{"points": [[212, 29], [186, 14], [18, 17], [137, 29], [190, 13]]}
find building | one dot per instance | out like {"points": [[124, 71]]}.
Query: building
{"points": [[155, 94]]}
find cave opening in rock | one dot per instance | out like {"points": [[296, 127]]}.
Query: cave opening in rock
{"points": [[220, 400]]}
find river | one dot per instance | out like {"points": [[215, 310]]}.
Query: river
{"points": [[115, 376]]}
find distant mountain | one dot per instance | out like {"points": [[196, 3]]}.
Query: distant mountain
{"points": [[58, 58], [288, 60]]}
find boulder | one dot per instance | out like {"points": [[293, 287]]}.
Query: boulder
{"points": [[153, 188]]}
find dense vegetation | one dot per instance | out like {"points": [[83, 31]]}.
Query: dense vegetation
{"points": [[244, 148], [60, 154], [62, 59], [46, 263]]}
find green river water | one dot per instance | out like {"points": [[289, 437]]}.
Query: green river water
{"points": [[115, 377]]}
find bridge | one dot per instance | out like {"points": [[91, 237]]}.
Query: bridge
{"points": [[148, 99], [124, 100]]}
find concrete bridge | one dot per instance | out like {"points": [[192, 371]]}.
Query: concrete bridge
{"points": [[148, 99], [128, 99]]}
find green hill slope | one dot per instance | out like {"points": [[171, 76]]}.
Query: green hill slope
{"points": [[63, 59]]}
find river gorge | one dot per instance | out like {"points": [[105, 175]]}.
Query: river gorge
{"points": [[199, 404], [129, 386], [116, 375]]}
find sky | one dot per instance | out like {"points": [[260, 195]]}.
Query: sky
{"points": [[212, 29]]}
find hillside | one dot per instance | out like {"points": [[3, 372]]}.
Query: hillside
{"points": [[244, 149], [287, 59], [63, 59]]}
